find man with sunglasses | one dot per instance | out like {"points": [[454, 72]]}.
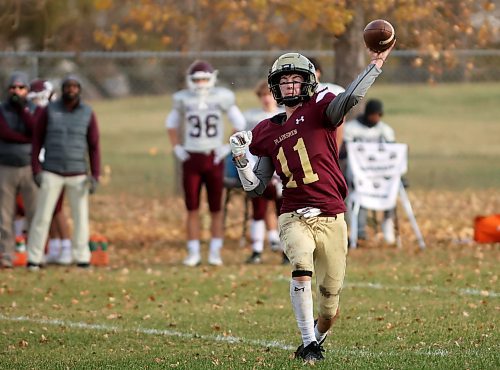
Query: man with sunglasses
{"points": [[16, 130]]}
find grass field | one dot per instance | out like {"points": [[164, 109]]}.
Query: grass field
{"points": [[401, 308]]}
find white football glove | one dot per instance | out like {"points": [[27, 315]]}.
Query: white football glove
{"points": [[239, 142], [309, 212], [181, 153], [221, 152]]}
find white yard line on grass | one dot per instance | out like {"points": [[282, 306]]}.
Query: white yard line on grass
{"points": [[212, 338], [417, 288], [414, 288]]}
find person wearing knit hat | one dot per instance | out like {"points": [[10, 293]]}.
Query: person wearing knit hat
{"points": [[368, 127], [59, 243], [67, 129], [16, 129]]}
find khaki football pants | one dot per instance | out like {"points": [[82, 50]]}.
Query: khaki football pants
{"points": [[317, 244]]}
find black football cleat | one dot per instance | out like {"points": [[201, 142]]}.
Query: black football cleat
{"points": [[312, 353], [254, 259]]}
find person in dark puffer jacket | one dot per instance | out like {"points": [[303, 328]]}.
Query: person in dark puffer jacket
{"points": [[68, 130]]}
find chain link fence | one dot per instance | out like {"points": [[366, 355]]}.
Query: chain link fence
{"points": [[120, 74]]}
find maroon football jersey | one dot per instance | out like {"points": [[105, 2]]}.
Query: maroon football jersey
{"points": [[305, 155]]}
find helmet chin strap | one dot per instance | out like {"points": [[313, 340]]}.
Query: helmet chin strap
{"points": [[292, 101]]}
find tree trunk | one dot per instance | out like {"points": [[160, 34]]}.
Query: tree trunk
{"points": [[350, 51]]}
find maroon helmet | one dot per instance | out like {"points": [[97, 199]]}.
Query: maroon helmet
{"points": [[201, 76], [41, 92]]}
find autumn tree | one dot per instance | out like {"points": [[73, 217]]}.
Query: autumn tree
{"points": [[47, 24], [435, 27]]}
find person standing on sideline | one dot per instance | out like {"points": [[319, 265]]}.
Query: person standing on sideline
{"points": [[199, 147], [369, 128], [262, 219], [300, 145], [68, 130], [59, 245], [16, 129]]}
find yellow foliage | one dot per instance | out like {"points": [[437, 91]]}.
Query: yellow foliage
{"points": [[103, 4], [128, 36], [284, 23], [106, 40]]}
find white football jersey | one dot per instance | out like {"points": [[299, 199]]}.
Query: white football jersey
{"points": [[356, 131], [201, 115]]}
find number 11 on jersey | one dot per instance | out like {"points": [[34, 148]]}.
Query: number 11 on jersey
{"points": [[309, 175]]}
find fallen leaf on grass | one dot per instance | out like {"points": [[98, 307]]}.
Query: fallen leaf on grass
{"points": [[216, 361], [114, 316]]}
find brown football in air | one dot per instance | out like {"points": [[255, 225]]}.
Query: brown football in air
{"points": [[379, 35]]}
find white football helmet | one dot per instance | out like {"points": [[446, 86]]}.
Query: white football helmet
{"points": [[41, 92], [201, 77]]}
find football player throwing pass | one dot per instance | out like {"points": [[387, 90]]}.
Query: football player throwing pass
{"points": [[199, 109], [300, 145]]}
